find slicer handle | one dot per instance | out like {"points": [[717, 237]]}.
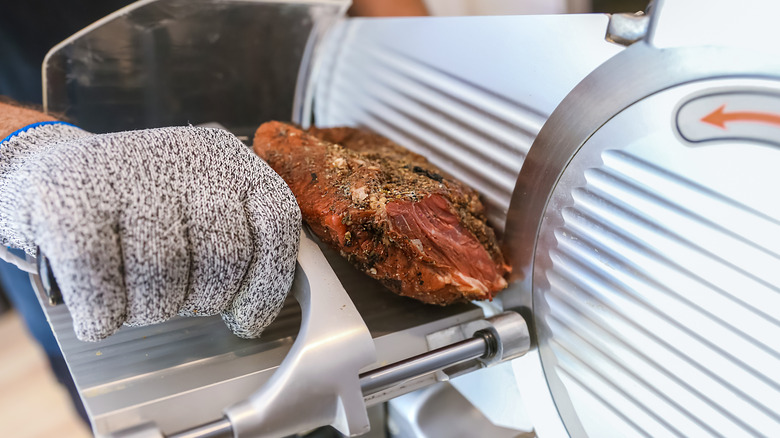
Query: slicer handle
{"points": [[311, 388]]}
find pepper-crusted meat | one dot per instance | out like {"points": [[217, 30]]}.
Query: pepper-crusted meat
{"points": [[389, 211]]}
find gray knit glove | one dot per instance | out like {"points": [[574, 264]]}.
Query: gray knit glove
{"points": [[140, 226]]}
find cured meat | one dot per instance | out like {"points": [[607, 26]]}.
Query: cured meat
{"points": [[389, 211]]}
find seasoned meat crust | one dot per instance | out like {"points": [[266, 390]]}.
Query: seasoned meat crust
{"points": [[389, 211]]}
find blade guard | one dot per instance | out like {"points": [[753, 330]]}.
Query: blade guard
{"points": [[310, 388]]}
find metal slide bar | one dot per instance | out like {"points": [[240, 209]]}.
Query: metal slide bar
{"points": [[453, 354]]}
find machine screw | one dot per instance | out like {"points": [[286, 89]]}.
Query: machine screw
{"points": [[626, 29]]}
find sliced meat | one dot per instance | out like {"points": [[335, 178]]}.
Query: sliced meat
{"points": [[389, 211]]}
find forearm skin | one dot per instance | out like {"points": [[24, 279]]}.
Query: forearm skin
{"points": [[14, 118]]}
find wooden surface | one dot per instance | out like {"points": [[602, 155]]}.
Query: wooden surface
{"points": [[32, 402]]}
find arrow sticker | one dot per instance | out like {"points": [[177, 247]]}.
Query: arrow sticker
{"points": [[730, 116], [719, 117]]}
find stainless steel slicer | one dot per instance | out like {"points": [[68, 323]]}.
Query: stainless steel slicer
{"points": [[630, 163]]}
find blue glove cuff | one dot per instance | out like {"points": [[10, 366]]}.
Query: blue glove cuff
{"points": [[34, 125]]}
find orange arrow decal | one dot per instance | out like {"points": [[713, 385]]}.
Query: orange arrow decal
{"points": [[719, 117]]}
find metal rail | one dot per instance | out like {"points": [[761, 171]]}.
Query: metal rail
{"points": [[216, 429], [375, 380]]}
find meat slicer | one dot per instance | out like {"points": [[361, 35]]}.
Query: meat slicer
{"points": [[629, 162]]}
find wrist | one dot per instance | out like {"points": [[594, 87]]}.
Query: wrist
{"points": [[14, 118]]}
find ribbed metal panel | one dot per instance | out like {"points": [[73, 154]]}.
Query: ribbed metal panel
{"points": [[471, 102], [661, 291]]}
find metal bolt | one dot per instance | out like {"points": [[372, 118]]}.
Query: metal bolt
{"points": [[626, 29]]}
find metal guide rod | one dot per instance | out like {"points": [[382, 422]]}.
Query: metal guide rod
{"points": [[216, 429], [481, 345], [449, 355]]}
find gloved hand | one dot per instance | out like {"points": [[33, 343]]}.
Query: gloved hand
{"points": [[140, 226]]}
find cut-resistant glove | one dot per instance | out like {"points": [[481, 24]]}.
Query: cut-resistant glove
{"points": [[140, 226]]}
